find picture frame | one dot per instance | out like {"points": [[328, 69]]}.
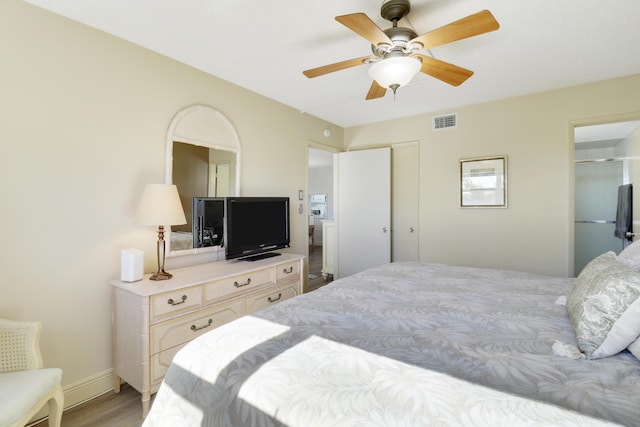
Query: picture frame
{"points": [[483, 182]]}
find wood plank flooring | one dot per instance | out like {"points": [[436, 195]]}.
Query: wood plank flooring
{"points": [[315, 269], [125, 408], [108, 410]]}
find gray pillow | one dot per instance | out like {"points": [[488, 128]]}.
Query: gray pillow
{"points": [[631, 255], [604, 306]]}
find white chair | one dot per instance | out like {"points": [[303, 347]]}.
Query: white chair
{"points": [[25, 386]]}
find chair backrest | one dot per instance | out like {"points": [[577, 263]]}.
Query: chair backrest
{"points": [[19, 346]]}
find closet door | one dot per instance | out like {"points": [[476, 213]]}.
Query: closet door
{"points": [[363, 210], [405, 197]]}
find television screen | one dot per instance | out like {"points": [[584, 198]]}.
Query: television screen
{"points": [[208, 221], [255, 226]]}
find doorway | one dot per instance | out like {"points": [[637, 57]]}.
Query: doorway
{"points": [[320, 210], [604, 156]]}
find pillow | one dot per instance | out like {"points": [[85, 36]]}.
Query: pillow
{"points": [[604, 306], [634, 348], [631, 255]]}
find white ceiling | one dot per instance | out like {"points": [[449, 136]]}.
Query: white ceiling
{"points": [[604, 132], [265, 45]]}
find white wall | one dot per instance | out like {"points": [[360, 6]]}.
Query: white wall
{"points": [[535, 233], [84, 117]]}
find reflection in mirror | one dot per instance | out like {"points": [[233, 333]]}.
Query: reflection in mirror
{"points": [[203, 160], [199, 172]]}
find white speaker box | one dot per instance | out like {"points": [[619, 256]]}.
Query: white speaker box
{"points": [[131, 265]]}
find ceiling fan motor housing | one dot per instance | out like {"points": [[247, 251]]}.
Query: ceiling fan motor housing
{"points": [[400, 37]]}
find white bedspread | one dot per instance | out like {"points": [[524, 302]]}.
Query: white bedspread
{"points": [[407, 344]]}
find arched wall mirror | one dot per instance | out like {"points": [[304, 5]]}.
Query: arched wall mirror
{"points": [[203, 160]]}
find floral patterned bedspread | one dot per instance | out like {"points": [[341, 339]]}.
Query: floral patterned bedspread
{"points": [[405, 344]]}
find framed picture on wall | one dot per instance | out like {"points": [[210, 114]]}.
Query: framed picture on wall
{"points": [[483, 182]]}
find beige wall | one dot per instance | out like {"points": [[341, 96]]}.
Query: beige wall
{"points": [[84, 118], [535, 232]]}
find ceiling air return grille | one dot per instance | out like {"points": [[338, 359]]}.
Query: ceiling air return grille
{"points": [[447, 121]]}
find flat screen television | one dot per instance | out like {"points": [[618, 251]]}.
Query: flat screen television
{"points": [[255, 227], [207, 223]]}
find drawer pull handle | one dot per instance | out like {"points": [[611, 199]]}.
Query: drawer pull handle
{"points": [[239, 285], [287, 270], [195, 328], [172, 302], [274, 299]]}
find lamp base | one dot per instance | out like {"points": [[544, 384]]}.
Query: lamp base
{"points": [[161, 275]]}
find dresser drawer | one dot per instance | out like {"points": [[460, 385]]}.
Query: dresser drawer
{"points": [[160, 363], [167, 303], [225, 288], [285, 272], [273, 296], [177, 331]]}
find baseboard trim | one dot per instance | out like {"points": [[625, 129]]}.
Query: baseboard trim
{"points": [[88, 388], [80, 392]]}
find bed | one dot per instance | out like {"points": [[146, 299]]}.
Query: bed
{"points": [[404, 344]]}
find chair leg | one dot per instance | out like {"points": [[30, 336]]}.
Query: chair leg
{"points": [[56, 405]]}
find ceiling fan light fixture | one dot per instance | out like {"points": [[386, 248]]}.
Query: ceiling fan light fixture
{"points": [[395, 72]]}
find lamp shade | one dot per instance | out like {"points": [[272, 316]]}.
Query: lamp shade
{"points": [[160, 205], [396, 71]]}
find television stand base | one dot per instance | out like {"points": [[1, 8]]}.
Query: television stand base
{"points": [[260, 256]]}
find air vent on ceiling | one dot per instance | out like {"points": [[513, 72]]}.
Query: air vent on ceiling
{"points": [[446, 121]]}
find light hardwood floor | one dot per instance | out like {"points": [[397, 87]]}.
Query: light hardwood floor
{"points": [[125, 408], [315, 268], [109, 410]]}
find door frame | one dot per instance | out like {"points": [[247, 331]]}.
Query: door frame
{"points": [[305, 202], [589, 121]]}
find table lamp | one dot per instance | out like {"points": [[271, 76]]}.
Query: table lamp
{"points": [[159, 206]]}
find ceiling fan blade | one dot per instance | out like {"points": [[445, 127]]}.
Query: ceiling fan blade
{"points": [[326, 69], [376, 91], [473, 25], [365, 27], [444, 71]]}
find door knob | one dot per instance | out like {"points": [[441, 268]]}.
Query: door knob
{"points": [[384, 229], [411, 229]]}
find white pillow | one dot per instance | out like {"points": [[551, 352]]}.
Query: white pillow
{"points": [[604, 306], [634, 348], [631, 255]]}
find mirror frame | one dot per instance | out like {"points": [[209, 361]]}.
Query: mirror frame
{"points": [[203, 126]]}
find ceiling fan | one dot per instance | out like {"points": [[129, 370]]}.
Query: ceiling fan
{"points": [[396, 55]]}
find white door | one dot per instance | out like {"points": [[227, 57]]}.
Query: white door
{"points": [[363, 217], [405, 200]]}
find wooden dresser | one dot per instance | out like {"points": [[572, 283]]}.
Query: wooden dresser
{"points": [[152, 320]]}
